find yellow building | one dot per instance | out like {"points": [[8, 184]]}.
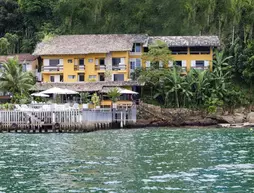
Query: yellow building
{"points": [[112, 57]]}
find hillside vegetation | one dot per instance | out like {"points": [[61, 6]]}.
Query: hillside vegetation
{"points": [[23, 23]]}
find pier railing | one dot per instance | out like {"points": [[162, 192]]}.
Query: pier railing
{"points": [[59, 119]]}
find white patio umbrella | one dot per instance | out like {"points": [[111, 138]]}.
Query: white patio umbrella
{"points": [[56, 90], [126, 91], [68, 91], [38, 94]]}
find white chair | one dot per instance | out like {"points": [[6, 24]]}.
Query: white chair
{"points": [[76, 106]]}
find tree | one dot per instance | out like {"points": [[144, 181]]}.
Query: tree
{"points": [[158, 54], [14, 80], [114, 94], [4, 44]]}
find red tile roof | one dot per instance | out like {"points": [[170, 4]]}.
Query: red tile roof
{"points": [[21, 57]]}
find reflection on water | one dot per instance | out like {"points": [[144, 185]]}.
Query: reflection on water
{"points": [[154, 160]]}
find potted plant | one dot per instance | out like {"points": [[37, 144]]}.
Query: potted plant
{"points": [[84, 97], [96, 100], [114, 95]]}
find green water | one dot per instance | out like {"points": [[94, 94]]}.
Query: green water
{"points": [[154, 160]]}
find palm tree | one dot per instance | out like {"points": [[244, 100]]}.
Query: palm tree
{"points": [[221, 74], [175, 85], [201, 82], [14, 80], [114, 94]]}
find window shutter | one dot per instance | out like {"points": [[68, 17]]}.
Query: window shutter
{"points": [[61, 62], [29, 67], [138, 63], [46, 62], [207, 63], [76, 62], [97, 61], [184, 64], [57, 78], [122, 60], [170, 63], [193, 63], [148, 64], [161, 64]]}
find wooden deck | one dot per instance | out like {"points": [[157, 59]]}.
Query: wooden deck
{"points": [[64, 121]]}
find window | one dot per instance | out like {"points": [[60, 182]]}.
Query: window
{"points": [[178, 63], [81, 77], [52, 78], [178, 50], [70, 61], [81, 62], [90, 60], [135, 63], [71, 76], [200, 63], [54, 62], [116, 61], [61, 78], [101, 77], [200, 50], [102, 62], [118, 77], [136, 47], [24, 68]]}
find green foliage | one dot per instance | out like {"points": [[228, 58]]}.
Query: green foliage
{"points": [[114, 94], [6, 106], [14, 80], [23, 98], [95, 99], [84, 97], [30, 20], [197, 89], [212, 103], [108, 74], [58, 99], [158, 53]]}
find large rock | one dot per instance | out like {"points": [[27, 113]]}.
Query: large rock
{"points": [[250, 117], [239, 117]]}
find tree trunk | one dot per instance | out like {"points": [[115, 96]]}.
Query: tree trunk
{"points": [[233, 35], [176, 96]]}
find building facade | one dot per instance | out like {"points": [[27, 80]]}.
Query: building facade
{"points": [[113, 57]]}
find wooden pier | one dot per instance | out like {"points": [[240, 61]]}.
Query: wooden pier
{"points": [[65, 121]]}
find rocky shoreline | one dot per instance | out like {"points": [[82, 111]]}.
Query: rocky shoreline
{"points": [[154, 116]]}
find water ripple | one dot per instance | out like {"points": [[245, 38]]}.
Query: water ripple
{"points": [[154, 160]]}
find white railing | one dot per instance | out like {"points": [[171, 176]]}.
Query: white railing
{"points": [[119, 67], [52, 68], [38, 118], [135, 53]]}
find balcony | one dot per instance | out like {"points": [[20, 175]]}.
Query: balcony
{"points": [[79, 67], [201, 67], [119, 67], [199, 52], [135, 53], [52, 68], [100, 67]]}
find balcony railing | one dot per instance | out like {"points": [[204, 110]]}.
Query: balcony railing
{"points": [[100, 67], [135, 53], [199, 52], [119, 67], [79, 67], [201, 67], [179, 52], [52, 68]]}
